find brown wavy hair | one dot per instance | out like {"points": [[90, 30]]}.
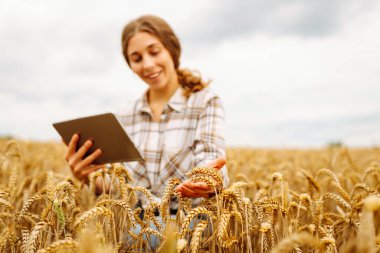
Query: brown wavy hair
{"points": [[190, 81]]}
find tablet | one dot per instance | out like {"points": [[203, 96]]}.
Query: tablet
{"points": [[106, 133]]}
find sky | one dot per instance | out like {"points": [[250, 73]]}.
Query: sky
{"points": [[291, 73]]}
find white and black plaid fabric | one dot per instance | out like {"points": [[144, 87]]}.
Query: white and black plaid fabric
{"points": [[189, 134]]}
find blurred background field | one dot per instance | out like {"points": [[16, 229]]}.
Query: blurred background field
{"points": [[280, 200]]}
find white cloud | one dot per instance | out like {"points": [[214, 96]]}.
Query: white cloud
{"points": [[299, 82], [62, 59]]}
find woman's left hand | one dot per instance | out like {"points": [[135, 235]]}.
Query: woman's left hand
{"points": [[200, 189]]}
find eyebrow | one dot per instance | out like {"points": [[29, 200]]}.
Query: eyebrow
{"points": [[150, 46]]}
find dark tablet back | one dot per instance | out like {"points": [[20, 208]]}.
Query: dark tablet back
{"points": [[106, 133]]}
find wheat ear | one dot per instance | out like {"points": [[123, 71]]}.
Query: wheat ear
{"points": [[328, 173], [27, 205], [212, 172], [7, 235], [190, 216], [224, 221], [67, 245], [5, 203], [146, 192], [31, 246], [122, 171], [295, 240], [96, 211], [197, 235], [24, 239], [150, 215], [165, 200], [124, 205], [181, 245], [150, 231], [338, 199], [233, 194], [312, 182]]}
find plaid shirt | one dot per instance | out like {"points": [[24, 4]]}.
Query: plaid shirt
{"points": [[190, 133]]}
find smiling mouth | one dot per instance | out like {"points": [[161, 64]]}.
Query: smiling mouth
{"points": [[152, 76]]}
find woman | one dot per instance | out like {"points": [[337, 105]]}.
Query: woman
{"points": [[177, 123]]}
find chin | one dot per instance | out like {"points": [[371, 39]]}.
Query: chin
{"points": [[157, 86]]}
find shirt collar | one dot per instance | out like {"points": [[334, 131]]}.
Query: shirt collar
{"points": [[144, 106], [177, 102]]}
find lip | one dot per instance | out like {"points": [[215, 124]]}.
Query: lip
{"points": [[153, 76]]}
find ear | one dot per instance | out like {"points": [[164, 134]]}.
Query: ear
{"points": [[217, 163]]}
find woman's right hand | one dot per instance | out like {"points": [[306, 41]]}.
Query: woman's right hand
{"points": [[81, 167]]}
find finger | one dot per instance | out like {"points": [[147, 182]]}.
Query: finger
{"points": [[77, 156], [72, 146], [86, 171], [187, 192], [217, 163], [92, 168], [198, 190], [189, 184], [89, 159], [178, 187], [83, 172], [201, 188], [198, 186]]}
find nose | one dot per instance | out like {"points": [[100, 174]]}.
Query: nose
{"points": [[148, 63]]}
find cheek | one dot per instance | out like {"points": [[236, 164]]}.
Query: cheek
{"points": [[169, 64], [135, 69]]}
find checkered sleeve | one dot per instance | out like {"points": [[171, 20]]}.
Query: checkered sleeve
{"points": [[209, 139]]}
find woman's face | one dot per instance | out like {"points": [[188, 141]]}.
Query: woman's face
{"points": [[151, 61]]}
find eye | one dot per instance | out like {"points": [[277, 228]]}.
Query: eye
{"points": [[135, 58], [155, 51]]}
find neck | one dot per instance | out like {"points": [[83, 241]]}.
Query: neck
{"points": [[162, 96], [157, 99]]}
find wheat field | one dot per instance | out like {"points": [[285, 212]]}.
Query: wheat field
{"points": [[317, 200]]}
